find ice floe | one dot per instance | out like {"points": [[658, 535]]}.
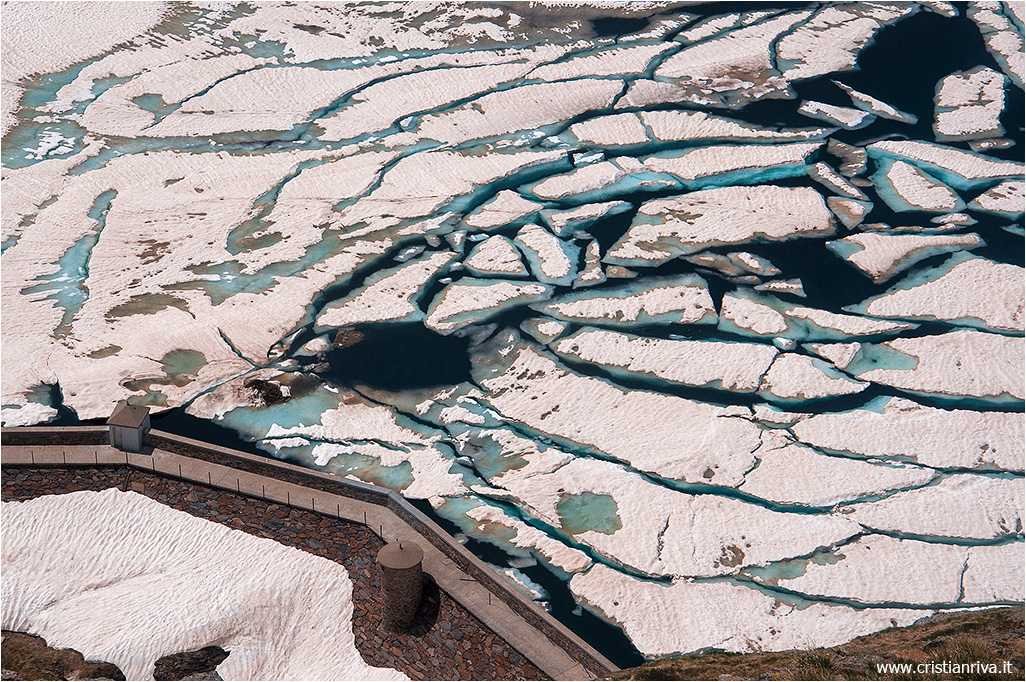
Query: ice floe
{"points": [[552, 260], [794, 378], [27, 414], [387, 295], [470, 301], [969, 104], [833, 37], [844, 117], [162, 573], [960, 364], [853, 158], [543, 330], [495, 257], [666, 228], [851, 212], [825, 175], [654, 300], [882, 256], [1001, 27], [875, 106], [564, 223], [600, 182], [591, 273], [952, 166], [783, 286], [903, 430], [719, 165], [1006, 199], [904, 187], [746, 312], [951, 293], [723, 615]]}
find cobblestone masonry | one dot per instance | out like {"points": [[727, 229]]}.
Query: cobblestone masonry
{"points": [[444, 642]]}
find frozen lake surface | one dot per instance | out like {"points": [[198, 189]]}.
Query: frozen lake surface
{"points": [[702, 324]]}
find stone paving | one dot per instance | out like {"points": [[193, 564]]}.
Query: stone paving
{"points": [[445, 642]]}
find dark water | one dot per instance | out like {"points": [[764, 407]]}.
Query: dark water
{"points": [[605, 638]]}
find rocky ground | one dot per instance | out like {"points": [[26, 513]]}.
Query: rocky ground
{"points": [[994, 636]]}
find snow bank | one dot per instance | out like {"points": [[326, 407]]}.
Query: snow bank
{"points": [[122, 578]]}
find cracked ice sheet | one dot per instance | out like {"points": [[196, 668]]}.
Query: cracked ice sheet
{"points": [[723, 615], [158, 228], [379, 106], [421, 185], [48, 38], [675, 226], [877, 569], [950, 293], [125, 579], [736, 67], [788, 472], [672, 437], [658, 531], [882, 256], [960, 506], [902, 430], [526, 107]]}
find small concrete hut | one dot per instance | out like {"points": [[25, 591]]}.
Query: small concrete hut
{"points": [[129, 425]]}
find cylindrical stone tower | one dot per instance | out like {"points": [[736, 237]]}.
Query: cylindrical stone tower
{"points": [[401, 582]]}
